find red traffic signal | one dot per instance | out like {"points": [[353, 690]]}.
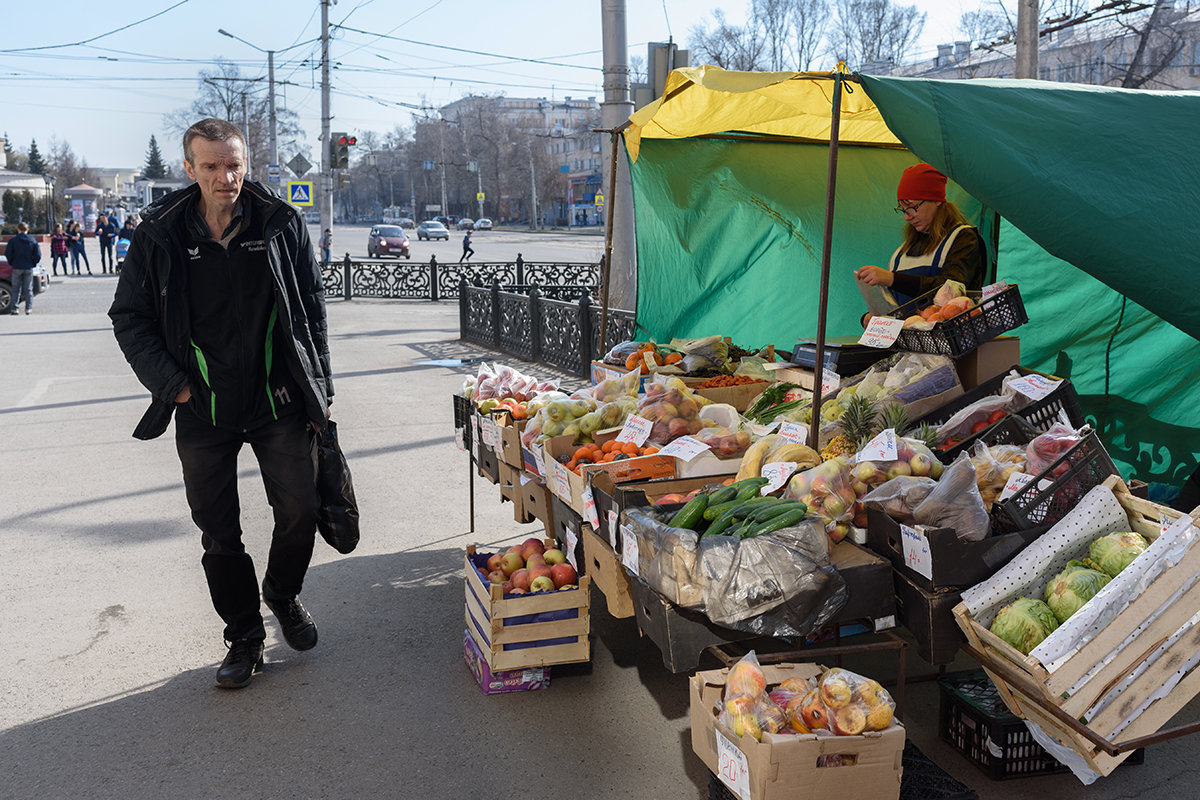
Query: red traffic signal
{"points": [[347, 140]]}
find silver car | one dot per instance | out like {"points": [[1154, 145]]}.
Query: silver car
{"points": [[432, 229]]}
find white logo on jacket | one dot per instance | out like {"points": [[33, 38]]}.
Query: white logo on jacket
{"points": [[194, 252]]}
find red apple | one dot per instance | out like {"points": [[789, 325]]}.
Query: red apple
{"points": [[563, 575], [521, 579], [507, 586], [483, 573], [493, 562], [534, 559], [540, 571], [516, 548], [511, 563], [497, 576], [554, 556], [542, 584], [531, 546]]}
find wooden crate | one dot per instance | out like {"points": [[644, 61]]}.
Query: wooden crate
{"points": [[534, 630], [605, 570], [1035, 693]]}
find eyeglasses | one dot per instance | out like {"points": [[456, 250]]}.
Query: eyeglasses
{"points": [[906, 210]]}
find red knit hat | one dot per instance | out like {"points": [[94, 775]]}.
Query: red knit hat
{"points": [[922, 182]]}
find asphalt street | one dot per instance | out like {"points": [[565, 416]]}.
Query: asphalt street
{"points": [[110, 643]]}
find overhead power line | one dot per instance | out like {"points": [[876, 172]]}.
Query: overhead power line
{"points": [[471, 52], [94, 38]]}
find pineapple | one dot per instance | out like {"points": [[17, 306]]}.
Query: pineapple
{"points": [[928, 435], [895, 416], [859, 422]]}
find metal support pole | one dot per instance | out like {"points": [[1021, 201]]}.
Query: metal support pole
{"points": [[606, 260], [585, 333], [271, 96], [346, 269], [464, 303], [1027, 40], [433, 278], [814, 440], [496, 313], [520, 270], [326, 145]]}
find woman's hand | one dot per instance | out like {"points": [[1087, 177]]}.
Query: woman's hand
{"points": [[873, 276]]}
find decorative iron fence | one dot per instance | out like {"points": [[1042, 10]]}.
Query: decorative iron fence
{"points": [[537, 323], [407, 280]]}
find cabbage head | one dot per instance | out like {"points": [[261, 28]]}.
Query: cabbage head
{"points": [[1116, 551], [1070, 589], [1024, 622]]}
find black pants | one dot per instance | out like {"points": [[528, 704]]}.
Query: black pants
{"points": [[106, 248], [467, 253], [286, 455]]}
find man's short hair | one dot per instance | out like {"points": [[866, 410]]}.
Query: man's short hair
{"points": [[23, 227], [212, 129]]}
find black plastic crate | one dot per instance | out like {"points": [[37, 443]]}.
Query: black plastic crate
{"points": [[1041, 414], [1013, 429], [1074, 474], [974, 720], [463, 409], [960, 335]]}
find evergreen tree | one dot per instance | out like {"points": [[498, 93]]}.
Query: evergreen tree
{"points": [[155, 166], [8, 152], [36, 165], [11, 204]]}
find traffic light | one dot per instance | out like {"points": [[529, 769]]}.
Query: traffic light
{"points": [[339, 150]]}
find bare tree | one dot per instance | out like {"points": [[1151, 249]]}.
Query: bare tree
{"points": [[875, 30], [729, 46], [1155, 43], [988, 23], [809, 21]]}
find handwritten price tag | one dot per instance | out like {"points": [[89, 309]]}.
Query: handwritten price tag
{"points": [[475, 436], [881, 448], [539, 460], [636, 430], [794, 432], [991, 290], [629, 549], [1035, 387], [458, 439], [776, 475], [572, 542], [1015, 481], [830, 381], [915, 547], [562, 481], [732, 767], [589, 507], [685, 448], [612, 529], [881, 332], [648, 360], [491, 433]]}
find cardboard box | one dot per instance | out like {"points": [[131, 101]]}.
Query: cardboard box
{"points": [[740, 397], [511, 429], [990, 359], [607, 574], [513, 680], [530, 630], [707, 465], [535, 500], [680, 635], [613, 498], [929, 616], [568, 532], [869, 579], [488, 464], [510, 490], [953, 563], [791, 767], [568, 486]]}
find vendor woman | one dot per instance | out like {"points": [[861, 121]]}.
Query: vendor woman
{"points": [[939, 244]]}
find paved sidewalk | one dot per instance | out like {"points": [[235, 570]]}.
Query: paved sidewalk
{"points": [[110, 642]]}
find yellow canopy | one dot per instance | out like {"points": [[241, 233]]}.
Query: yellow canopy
{"points": [[699, 101]]}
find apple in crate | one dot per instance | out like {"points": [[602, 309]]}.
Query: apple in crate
{"points": [[534, 559], [531, 546], [493, 562], [521, 579], [511, 563], [542, 584], [540, 571], [563, 575], [497, 576], [554, 556]]}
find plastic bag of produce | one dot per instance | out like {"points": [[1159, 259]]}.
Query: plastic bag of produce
{"points": [[753, 367], [557, 418], [707, 353], [963, 423], [956, 503], [993, 466], [899, 497], [610, 389], [673, 409], [825, 489], [777, 584], [843, 703], [725, 442], [1049, 447], [747, 709], [618, 355], [668, 558]]}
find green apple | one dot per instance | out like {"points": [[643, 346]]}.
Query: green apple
{"points": [[542, 584]]}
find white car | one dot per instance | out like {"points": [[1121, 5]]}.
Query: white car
{"points": [[432, 229], [483, 224]]}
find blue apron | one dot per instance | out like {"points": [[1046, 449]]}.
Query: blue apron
{"points": [[926, 265]]}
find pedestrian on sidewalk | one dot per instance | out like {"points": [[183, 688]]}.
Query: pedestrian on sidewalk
{"points": [[23, 254], [467, 249], [207, 361], [75, 235], [59, 245], [325, 243], [106, 232]]}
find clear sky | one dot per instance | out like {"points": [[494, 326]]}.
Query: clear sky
{"points": [[106, 92]]}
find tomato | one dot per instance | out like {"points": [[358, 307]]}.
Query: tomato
{"points": [[995, 417], [980, 426]]}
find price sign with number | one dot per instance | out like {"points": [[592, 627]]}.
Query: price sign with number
{"points": [[612, 529], [589, 507], [830, 381], [794, 432], [475, 436], [881, 448], [881, 332], [915, 547], [491, 433], [732, 767], [629, 549], [685, 448], [636, 430], [539, 460], [562, 481], [1015, 481], [991, 290], [1035, 387], [572, 542], [776, 475]]}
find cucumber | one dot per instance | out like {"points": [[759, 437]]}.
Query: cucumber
{"points": [[749, 487], [792, 517], [691, 514], [715, 510], [720, 524], [723, 495], [766, 512], [745, 507]]}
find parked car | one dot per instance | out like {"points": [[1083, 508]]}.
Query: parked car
{"points": [[41, 282], [483, 224], [432, 229], [466, 224], [444, 220], [387, 240], [405, 222]]}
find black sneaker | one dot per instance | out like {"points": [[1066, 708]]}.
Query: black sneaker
{"points": [[298, 628], [245, 657]]}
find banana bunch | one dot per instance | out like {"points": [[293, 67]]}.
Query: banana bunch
{"points": [[772, 449]]}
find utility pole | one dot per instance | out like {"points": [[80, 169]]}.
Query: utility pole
{"points": [[533, 219], [246, 130], [326, 145], [442, 137], [621, 267], [271, 105], [1027, 39]]}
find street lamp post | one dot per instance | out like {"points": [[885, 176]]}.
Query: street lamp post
{"points": [[270, 93]]}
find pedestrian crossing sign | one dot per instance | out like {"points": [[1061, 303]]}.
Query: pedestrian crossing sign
{"points": [[300, 193]]}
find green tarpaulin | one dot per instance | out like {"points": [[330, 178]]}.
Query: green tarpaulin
{"points": [[1096, 188]]}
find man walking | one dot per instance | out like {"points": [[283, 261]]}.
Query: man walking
{"points": [[23, 255], [220, 311], [106, 233]]}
